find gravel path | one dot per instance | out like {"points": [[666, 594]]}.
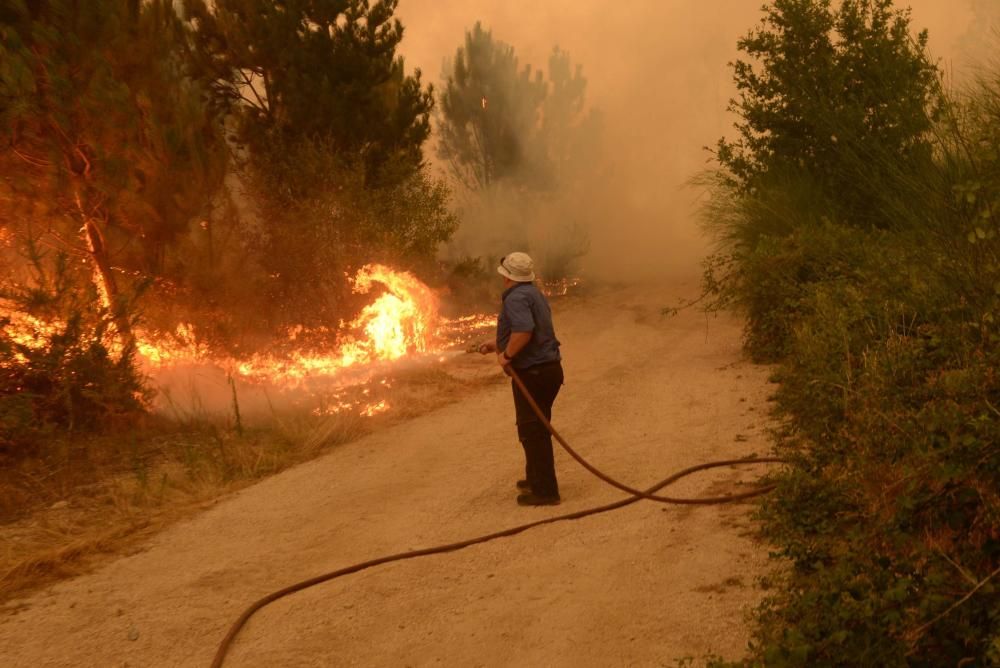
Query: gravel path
{"points": [[643, 586]]}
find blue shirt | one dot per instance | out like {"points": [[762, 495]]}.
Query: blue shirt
{"points": [[525, 309]]}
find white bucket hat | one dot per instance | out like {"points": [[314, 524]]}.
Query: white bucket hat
{"points": [[517, 267]]}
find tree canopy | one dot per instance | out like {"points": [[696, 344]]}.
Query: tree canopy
{"points": [[490, 109], [318, 69], [826, 85], [101, 128], [503, 122]]}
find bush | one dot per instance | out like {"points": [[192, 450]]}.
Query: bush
{"points": [[65, 384], [890, 515], [888, 343], [65, 369], [319, 221]]}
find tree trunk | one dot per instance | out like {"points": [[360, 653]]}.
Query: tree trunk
{"points": [[107, 287]]}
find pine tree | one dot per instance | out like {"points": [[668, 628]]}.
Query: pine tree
{"points": [[316, 69], [106, 146], [501, 122], [490, 110]]}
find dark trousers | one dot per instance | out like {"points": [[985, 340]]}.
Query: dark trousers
{"points": [[543, 381]]}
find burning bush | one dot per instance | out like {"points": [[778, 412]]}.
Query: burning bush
{"points": [[62, 380], [318, 222]]}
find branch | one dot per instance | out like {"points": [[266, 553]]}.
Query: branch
{"points": [[65, 247], [958, 567], [684, 304], [982, 583], [30, 159], [250, 102], [992, 407], [249, 84]]}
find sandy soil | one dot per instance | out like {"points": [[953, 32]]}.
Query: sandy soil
{"points": [[643, 586]]}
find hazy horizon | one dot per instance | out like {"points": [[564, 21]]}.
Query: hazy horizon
{"points": [[659, 74]]}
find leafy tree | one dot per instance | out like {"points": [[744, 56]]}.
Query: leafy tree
{"points": [[830, 88], [316, 69], [106, 145], [861, 239]]}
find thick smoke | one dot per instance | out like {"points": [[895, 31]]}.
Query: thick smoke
{"points": [[657, 72]]}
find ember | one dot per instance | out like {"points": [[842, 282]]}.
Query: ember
{"points": [[560, 287]]}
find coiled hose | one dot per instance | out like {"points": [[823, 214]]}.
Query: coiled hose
{"points": [[636, 495]]}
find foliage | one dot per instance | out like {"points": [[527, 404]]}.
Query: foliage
{"points": [[71, 379], [521, 144], [500, 122], [108, 150], [831, 89], [490, 110], [331, 223], [888, 517], [102, 128], [330, 130], [309, 69]]}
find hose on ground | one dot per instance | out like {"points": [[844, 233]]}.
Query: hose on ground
{"points": [[636, 495]]}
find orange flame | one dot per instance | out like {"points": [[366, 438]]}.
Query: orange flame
{"points": [[402, 321], [399, 322]]}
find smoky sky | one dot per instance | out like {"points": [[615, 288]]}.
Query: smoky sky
{"points": [[657, 70]]}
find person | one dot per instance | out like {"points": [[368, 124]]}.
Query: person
{"points": [[526, 340]]}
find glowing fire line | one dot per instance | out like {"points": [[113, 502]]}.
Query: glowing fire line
{"points": [[402, 321]]}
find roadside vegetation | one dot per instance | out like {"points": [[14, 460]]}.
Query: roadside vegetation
{"points": [[858, 216]]}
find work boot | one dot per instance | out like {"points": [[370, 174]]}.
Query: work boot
{"points": [[524, 484], [531, 499]]}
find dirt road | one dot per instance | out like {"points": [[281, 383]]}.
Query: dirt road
{"points": [[643, 586]]}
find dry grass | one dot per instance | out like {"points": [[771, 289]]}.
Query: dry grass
{"points": [[102, 498]]}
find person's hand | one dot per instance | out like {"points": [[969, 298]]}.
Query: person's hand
{"points": [[487, 347], [503, 362]]}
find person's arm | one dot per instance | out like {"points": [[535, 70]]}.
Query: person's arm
{"points": [[488, 347], [518, 340], [522, 322]]}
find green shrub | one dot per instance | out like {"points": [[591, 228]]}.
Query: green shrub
{"points": [[772, 279], [889, 515], [888, 338]]}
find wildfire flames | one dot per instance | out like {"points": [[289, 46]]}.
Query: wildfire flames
{"points": [[336, 369], [402, 321]]}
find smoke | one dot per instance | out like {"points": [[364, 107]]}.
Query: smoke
{"points": [[657, 72]]}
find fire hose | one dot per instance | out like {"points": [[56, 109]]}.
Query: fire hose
{"points": [[636, 495]]}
